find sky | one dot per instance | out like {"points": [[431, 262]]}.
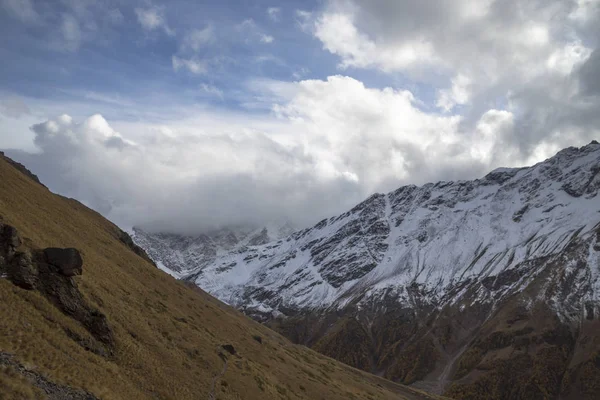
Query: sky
{"points": [[184, 116]]}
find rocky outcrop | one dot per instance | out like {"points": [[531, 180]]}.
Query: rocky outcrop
{"points": [[68, 262], [51, 272], [9, 242], [22, 270]]}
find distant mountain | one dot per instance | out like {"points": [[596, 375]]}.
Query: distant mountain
{"points": [[179, 254], [85, 315], [476, 289]]}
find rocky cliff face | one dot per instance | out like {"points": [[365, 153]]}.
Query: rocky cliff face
{"points": [[477, 289]]}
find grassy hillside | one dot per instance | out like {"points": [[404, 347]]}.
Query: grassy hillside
{"points": [[167, 338]]}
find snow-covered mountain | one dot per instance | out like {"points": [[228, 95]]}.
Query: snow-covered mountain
{"points": [[421, 283], [180, 254], [434, 236]]}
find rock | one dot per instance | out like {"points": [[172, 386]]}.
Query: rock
{"points": [[68, 261], [257, 338], [9, 241], [10, 236], [22, 271], [97, 325], [63, 292], [230, 349]]}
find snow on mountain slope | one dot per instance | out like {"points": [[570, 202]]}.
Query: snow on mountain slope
{"points": [[433, 236], [178, 254]]}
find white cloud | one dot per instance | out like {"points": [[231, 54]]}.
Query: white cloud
{"points": [[71, 34], [266, 38], [212, 90], [24, 10], [465, 41], [491, 132], [152, 19], [247, 25], [459, 93], [340, 36], [68, 27], [477, 55], [198, 38], [115, 16], [564, 59], [193, 65], [326, 146], [300, 73], [274, 13], [509, 88], [252, 32], [304, 19], [106, 98], [14, 107], [585, 11]]}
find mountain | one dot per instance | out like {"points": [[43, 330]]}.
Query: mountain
{"points": [[84, 314], [484, 289], [175, 253]]}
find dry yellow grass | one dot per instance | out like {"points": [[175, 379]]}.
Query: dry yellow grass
{"points": [[167, 335]]}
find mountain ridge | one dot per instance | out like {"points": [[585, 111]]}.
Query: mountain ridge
{"points": [[430, 274], [374, 246]]}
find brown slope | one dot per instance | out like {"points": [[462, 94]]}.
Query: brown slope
{"points": [[166, 339]]}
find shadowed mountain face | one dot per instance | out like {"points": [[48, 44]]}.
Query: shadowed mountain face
{"points": [[476, 289], [85, 315]]}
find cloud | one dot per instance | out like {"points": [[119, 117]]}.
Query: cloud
{"points": [[274, 13], [24, 10], [193, 65], [589, 74], [107, 98], [211, 90], [476, 40], [341, 37], [14, 107], [115, 16], [326, 146], [472, 85], [71, 36], [266, 38], [518, 56], [198, 38], [300, 73], [252, 32], [304, 19], [66, 25], [153, 18], [458, 94]]}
